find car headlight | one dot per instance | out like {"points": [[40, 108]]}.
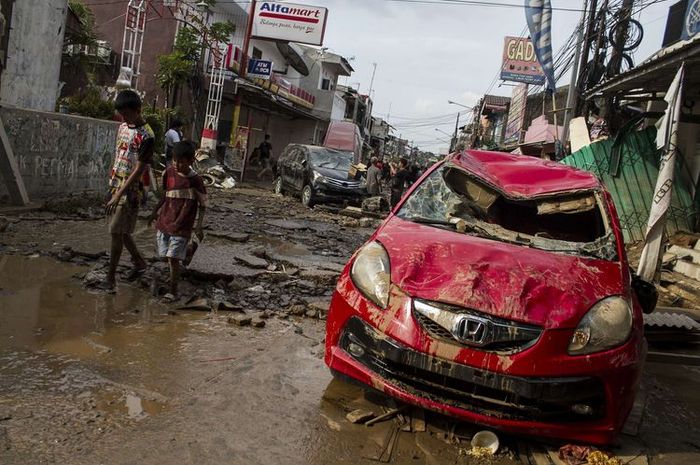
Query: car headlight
{"points": [[318, 177], [607, 324], [371, 273]]}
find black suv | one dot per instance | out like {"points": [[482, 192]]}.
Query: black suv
{"points": [[319, 175]]}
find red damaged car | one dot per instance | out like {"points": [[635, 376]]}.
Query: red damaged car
{"points": [[497, 291]]}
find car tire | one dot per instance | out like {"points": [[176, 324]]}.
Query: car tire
{"points": [[307, 196], [278, 187]]}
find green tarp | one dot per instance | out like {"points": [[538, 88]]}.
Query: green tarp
{"points": [[629, 167]]}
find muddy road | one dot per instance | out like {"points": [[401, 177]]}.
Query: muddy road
{"points": [[89, 378]]}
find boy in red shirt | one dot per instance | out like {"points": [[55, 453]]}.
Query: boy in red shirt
{"points": [[184, 201]]}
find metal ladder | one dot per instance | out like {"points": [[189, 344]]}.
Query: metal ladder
{"points": [[132, 45], [216, 85]]}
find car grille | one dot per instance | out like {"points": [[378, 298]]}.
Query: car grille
{"points": [[505, 335], [343, 184], [475, 390]]}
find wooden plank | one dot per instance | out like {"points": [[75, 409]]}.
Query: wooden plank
{"points": [[10, 170]]}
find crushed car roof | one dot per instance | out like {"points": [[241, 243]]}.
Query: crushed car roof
{"points": [[524, 176]]}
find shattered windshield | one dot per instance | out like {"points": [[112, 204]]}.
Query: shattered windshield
{"points": [[331, 159], [569, 223]]}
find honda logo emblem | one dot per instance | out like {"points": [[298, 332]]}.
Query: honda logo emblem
{"points": [[472, 330]]}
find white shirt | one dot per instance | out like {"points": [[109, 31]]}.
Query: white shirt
{"points": [[172, 137]]}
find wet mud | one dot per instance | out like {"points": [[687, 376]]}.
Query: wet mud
{"points": [[89, 378]]}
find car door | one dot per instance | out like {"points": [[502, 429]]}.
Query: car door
{"points": [[286, 166]]}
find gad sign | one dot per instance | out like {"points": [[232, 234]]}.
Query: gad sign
{"points": [[289, 22], [520, 62]]}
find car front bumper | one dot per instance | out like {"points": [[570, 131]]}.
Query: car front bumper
{"points": [[529, 393]]}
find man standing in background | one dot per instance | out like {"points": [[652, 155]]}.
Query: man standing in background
{"points": [[374, 175], [265, 150]]}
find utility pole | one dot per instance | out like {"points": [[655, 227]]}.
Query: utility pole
{"points": [[453, 142], [371, 82], [583, 61], [571, 97], [600, 40]]}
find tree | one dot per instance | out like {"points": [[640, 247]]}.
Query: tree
{"points": [[85, 34], [182, 66]]}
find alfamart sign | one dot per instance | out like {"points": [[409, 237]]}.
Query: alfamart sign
{"points": [[290, 22]]}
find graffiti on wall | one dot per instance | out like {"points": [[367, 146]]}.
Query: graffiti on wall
{"points": [[60, 154]]}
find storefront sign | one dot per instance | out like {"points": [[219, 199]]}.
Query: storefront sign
{"points": [[290, 22], [259, 69], [520, 62], [691, 24]]}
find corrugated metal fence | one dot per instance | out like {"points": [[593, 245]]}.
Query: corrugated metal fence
{"points": [[629, 167]]}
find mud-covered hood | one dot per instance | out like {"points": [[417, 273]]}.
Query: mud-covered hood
{"points": [[548, 289]]}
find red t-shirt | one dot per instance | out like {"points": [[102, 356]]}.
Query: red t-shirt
{"points": [[183, 194]]}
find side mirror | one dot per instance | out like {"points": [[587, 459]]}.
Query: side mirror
{"points": [[647, 295]]}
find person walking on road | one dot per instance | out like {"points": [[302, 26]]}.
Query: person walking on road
{"points": [[265, 150], [172, 137], [399, 177], [184, 201], [374, 176], [134, 152]]}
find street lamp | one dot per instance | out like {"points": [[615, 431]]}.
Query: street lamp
{"points": [[459, 104]]}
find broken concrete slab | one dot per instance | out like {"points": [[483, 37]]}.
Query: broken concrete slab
{"points": [[240, 320], [286, 224], [688, 269], [229, 307], [684, 253], [220, 262], [229, 236], [352, 212], [320, 306], [251, 260], [359, 416], [258, 322]]}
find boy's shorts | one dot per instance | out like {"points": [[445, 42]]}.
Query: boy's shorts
{"points": [[171, 246], [123, 220]]}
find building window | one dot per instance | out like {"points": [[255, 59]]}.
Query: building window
{"points": [[257, 53], [326, 84]]}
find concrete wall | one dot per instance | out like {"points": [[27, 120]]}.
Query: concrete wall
{"points": [[59, 154], [30, 79]]}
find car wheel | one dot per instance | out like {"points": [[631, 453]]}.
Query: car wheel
{"points": [[307, 196], [279, 190]]}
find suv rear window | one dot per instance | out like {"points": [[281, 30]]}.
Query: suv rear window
{"points": [[331, 159], [568, 222]]}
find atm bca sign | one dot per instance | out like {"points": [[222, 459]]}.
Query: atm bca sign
{"points": [[290, 22]]}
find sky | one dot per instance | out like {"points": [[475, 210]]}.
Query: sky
{"points": [[427, 54]]}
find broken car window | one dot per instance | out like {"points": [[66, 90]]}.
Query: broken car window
{"points": [[569, 223]]}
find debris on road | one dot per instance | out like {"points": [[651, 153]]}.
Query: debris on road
{"points": [[485, 440], [386, 416], [360, 416], [241, 320], [196, 303]]}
